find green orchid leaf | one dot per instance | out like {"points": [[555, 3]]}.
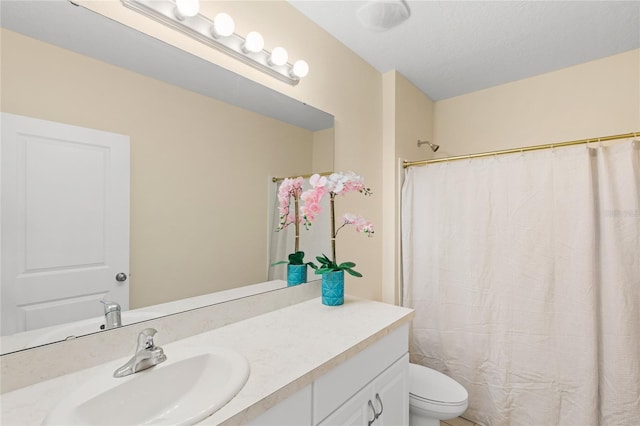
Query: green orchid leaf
{"points": [[279, 263], [324, 260], [354, 273], [346, 265], [296, 258]]}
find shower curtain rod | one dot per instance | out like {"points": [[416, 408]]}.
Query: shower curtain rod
{"points": [[406, 164], [277, 179]]}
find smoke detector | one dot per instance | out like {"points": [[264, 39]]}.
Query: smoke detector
{"points": [[381, 15]]}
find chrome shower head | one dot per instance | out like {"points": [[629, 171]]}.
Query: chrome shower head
{"points": [[433, 146]]}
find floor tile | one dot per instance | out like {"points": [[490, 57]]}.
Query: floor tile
{"points": [[459, 421]]}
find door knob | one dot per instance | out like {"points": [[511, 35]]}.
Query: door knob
{"points": [[121, 277]]}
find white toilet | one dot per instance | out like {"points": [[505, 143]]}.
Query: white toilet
{"points": [[434, 397]]}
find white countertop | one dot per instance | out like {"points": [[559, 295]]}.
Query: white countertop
{"points": [[287, 349]]}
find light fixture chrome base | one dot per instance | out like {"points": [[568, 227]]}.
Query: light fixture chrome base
{"points": [[199, 27]]}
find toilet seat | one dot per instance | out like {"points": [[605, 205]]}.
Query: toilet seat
{"points": [[420, 401], [430, 386]]}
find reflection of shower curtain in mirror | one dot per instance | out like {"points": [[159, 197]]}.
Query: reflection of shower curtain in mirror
{"points": [[313, 242], [524, 271]]}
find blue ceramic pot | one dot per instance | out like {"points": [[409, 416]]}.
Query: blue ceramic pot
{"points": [[296, 274], [333, 288]]}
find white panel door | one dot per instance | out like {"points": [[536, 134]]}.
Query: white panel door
{"points": [[65, 222]]}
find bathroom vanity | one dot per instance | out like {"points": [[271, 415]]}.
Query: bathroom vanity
{"points": [[310, 365], [372, 387]]}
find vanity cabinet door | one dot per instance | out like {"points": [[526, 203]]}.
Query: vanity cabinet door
{"points": [[384, 401], [355, 412], [392, 390], [339, 385]]}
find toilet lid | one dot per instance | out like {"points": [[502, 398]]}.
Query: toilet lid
{"points": [[431, 385]]}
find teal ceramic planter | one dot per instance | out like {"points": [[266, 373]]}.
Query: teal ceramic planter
{"points": [[333, 288], [296, 274]]}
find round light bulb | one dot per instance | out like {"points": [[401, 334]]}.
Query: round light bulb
{"points": [[279, 56], [300, 69], [187, 8], [254, 42], [223, 25]]}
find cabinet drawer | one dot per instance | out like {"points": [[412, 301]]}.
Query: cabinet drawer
{"points": [[334, 388]]}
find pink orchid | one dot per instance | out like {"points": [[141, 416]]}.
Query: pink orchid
{"points": [[336, 183], [361, 224], [342, 183], [317, 181], [288, 188]]}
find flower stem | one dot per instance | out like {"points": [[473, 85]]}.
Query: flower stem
{"points": [[333, 228], [339, 228], [296, 196]]}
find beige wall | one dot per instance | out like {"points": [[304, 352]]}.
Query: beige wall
{"points": [[408, 116], [414, 120], [598, 98], [388, 231], [323, 151], [199, 167]]}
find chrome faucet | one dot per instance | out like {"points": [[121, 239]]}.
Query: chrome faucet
{"points": [[147, 355], [112, 315]]}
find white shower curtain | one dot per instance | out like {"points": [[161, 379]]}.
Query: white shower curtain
{"points": [[524, 271]]}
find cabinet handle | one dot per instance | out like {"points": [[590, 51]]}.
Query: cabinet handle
{"points": [[381, 407], [374, 413]]}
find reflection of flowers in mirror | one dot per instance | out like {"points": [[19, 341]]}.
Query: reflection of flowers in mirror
{"points": [[290, 187]]}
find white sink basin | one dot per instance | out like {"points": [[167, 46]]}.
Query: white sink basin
{"points": [[192, 384]]}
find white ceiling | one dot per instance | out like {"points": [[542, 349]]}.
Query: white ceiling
{"points": [[449, 48]]}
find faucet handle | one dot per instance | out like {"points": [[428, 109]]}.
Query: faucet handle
{"points": [[145, 339]]}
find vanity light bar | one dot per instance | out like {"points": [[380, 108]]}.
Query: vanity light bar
{"points": [[199, 28]]}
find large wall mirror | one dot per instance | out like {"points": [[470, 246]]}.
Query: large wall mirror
{"points": [[204, 145]]}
